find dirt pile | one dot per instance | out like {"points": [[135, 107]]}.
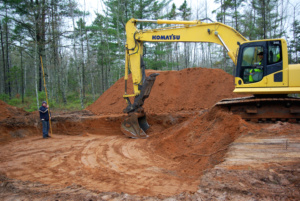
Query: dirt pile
{"points": [[200, 142], [15, 123], [8, 111], [188, 89]]}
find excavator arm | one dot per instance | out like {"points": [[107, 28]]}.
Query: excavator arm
{"points": [[135, 123]]}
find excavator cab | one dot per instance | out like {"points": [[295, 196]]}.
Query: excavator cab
{"points": [[260, 64]]}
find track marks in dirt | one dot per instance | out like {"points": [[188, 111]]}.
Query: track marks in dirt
{"points": [[103, 163], [265, 164]]}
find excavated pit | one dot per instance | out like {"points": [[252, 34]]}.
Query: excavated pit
{"points": [[193, 152], [92, 152]]}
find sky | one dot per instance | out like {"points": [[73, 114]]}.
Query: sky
{"points": [[97, 6]]}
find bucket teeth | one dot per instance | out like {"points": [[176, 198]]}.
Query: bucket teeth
{"points": [[133, 126]]}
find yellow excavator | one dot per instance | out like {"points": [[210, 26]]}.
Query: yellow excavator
{"points": [[261, 69]]}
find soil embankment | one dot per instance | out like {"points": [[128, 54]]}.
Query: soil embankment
{"points": [[15, 123]]}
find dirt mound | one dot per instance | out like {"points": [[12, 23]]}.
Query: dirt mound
{"points": [[8, 111], [15, 123], [188, 89], [201, 142]]}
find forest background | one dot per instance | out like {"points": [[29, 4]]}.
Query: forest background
{"points": [[83, 49]]}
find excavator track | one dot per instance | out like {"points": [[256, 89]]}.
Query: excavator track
{"points": [[264, 109]]}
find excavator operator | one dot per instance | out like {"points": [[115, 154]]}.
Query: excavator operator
{"points": [[256, 73], [261, 56]]}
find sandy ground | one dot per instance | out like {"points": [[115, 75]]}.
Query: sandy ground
{"points": [[262, 163], [106, 163]]}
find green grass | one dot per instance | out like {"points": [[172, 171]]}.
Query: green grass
{"points": [[30, 103]]}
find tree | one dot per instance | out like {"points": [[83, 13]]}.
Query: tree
{"points": [[295, 43], [172, 15], [185, 13], [267, 18], [3, 60]]}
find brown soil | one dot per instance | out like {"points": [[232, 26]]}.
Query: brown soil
{"points": [[192, 153], [201, 142], [188, 89], [169, 162], [8, 111], [15, 123]]}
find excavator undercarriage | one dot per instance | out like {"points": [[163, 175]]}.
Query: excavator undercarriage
{"points": [[264, 109]]}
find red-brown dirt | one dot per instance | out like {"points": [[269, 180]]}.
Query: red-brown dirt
{"points": [[8, 111], [200, 142], [15, 123], [168, 162], [188, 89]]}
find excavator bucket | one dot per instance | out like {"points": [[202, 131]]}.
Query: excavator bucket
{"points": [[134, 126]]}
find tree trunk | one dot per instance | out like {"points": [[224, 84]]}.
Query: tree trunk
{"points": [[93, 88], [7, 57], [236, 17], [3, 59], [36, 75], [264, 19], [102, 74], [75, 59], [82, 65], [40, 30], [22, 76]]}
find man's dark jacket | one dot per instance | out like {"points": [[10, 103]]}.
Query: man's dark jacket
{"points": [[44, 115]]}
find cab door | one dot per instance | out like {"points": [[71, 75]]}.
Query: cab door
{"points": [[276, 75], [251, 65]]}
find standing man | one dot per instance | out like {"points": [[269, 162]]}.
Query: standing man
{"points": [[44, 116]]}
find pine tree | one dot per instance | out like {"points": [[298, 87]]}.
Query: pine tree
{"points": [[295, 43], [185, 13], [267, 17]]}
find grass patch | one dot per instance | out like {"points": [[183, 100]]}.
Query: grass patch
{"points": [[30, 102]]}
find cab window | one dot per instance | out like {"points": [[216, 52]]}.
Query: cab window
{"points": [[274, 52], [250, 56], [251, 59]]}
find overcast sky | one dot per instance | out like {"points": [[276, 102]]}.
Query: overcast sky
{"points": [[97, 6], [197, 5]]}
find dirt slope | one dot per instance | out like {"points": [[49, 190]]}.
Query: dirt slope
{"points": [[8, 111], [15, 123], [167, 163], [188, 89], [200, 142]]}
